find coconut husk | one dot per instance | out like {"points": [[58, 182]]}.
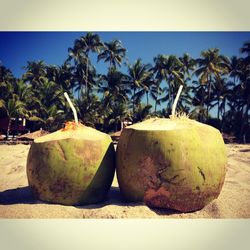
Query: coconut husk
{"points": [[1, 137], [33, 136]]}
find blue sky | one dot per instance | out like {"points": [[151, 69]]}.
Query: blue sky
{"points": [[16, 48]]}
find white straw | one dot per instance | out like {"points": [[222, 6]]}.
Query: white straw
{"points": [[71, 106], [176, 99]]}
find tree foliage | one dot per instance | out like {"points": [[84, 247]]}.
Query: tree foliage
{"points": [[214, 86]]}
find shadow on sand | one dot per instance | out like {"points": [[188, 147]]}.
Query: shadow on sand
{"points": [[24, 195], [21, 195], [164, 211], [114, 197]]}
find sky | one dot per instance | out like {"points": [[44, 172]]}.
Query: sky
{"points": [[16, 48]]}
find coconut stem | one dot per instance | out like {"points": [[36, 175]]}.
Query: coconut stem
{"points": [[176, 100], [71, 106]]}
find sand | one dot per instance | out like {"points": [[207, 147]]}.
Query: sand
{"points": [[16, 200]]}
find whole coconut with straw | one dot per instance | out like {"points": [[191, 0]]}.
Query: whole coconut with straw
{"points": [[175, 163], [72, 166]]}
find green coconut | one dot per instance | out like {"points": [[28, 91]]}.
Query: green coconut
{"points": [[72, 166], [171, 163]]}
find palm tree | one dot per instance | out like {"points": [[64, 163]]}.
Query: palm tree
{"points": [[14, 108], [246, 50], [187, 67], [239, 100], [156, 92], [80, 54], [211, 66], [5, 74], [199, 99], [168, 68], [118, 114], [142, 112], [65, 77], [244, 91], [46, 103], [199, 113], [113, 52], [62, 75], [52, 72], [90, 110], [141, 79], [240, 104], [235, 68], [90, 43], [35, 71], [188, 64], [83, 46], [7, 82], [80, 78], [51, 109], [221, 93], [24, 91], [114, 87]]}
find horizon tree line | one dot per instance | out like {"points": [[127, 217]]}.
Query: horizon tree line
{"points": [[212, 82]]}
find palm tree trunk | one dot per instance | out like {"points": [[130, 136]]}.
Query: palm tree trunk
{"points": [[147, 97], [169, 95], [134, 101], [201, 117], [234, 104], [218, 111], [209, 92], [110, 65], [8, 128], [156, 100], [244, 123], [155, 105], [87, 76], [223, 115], [122, 124], [246, 116], [79, 91]]}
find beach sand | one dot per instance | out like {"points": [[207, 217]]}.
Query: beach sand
{"points": [[16, 200]]}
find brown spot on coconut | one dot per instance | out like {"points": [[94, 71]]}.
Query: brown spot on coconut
{"points": [[175, 163]]}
